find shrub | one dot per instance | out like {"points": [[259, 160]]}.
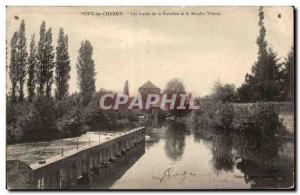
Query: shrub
{"points": [[215, 115], [69, 124], [258, 119], [98, 119], [224, 92], [37, 120]]}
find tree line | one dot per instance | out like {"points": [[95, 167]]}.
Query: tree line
{"points": [[43, 65], [39, 105]]}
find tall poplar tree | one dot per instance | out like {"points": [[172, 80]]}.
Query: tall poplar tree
{"points": [[32, 69], [45, 60], [22, 59], [86, 71], [49, 63], [41, 60], [62, 65], [13, 66]]}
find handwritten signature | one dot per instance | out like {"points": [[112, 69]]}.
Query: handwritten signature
{"points": [[171, 173]]}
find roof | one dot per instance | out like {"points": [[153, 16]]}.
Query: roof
{"points": [[148, 85]]}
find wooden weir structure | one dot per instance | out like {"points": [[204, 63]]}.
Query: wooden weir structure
{"points": [[74, 166]]}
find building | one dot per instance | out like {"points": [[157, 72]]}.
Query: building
{"points": [[149, 88]]}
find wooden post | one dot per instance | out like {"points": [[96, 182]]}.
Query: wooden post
{"points": [[62, 151], [89, 141], [99, 136]]}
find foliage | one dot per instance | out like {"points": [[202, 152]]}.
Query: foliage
{"points": [[42, 117], [11, 115], [45, 59], [37, 120], [70, 123], [289, 68], [98, 119], [265, 83], [62, 65], [32, 63], [13, 66], [21, 59], [174, 86], [215, 115], [258, 119], [224, 93], [86, 71]]}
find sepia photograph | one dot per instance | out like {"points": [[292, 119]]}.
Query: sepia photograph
{"points": [[150, 98]]}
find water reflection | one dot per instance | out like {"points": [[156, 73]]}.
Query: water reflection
{"points": [[107, 176], [218, 161], [223, 156], [265, 162], [175, 140], [264, 165]]}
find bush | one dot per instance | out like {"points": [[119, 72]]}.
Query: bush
{"points": [[224, 92], [98, 119], [69, 124], [37, 120], [46, 119], [215, 115], [258, 119]]}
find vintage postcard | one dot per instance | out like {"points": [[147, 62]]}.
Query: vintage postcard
{"points": [[144, 98]]}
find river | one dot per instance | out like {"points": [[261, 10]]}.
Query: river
{"points": [[176, 156]]}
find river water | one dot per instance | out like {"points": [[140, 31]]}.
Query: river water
{"points": [[178, 156]]}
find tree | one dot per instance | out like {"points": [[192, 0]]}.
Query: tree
{"points": [[259, 68], [41, 60], [245, 92], [13, 66], [62, 65], [45, 61], [175, 86], [289, 66], [264, 84], [22, 59], [32, 63], [126, 88], [86, 71], [224, 93], [50, 62]]}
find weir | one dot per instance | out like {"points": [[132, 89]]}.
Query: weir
{"points": [[73, 167]]}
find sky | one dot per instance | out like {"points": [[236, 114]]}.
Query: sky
{"points": [[197, 49]]}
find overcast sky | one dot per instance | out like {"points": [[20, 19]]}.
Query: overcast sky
{"points": [[196, 49]]}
